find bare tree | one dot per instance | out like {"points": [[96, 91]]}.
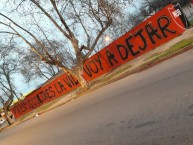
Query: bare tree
{"points": [[183, 2], [149, 7], [80, 23], [6, 105], [8, 67], [33, 68]]}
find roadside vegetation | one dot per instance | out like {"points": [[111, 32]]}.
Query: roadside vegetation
{"points": [[191, 22], [176, 48]]}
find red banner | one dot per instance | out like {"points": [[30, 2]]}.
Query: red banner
{"points": [[54, 89], [158, 29]]}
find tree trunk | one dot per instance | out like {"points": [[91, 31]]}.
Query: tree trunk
{"points": [[7, 116], [78, 74], [83, 82]]}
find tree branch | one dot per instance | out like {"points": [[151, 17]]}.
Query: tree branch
{"points": [[52, 20]]}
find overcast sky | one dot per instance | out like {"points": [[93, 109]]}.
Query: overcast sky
{"points": [[19, 81]]}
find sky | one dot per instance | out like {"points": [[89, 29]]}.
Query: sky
{"points": [[18, 79]]}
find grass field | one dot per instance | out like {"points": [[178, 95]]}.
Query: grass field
{"points": [[191, 22]]}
